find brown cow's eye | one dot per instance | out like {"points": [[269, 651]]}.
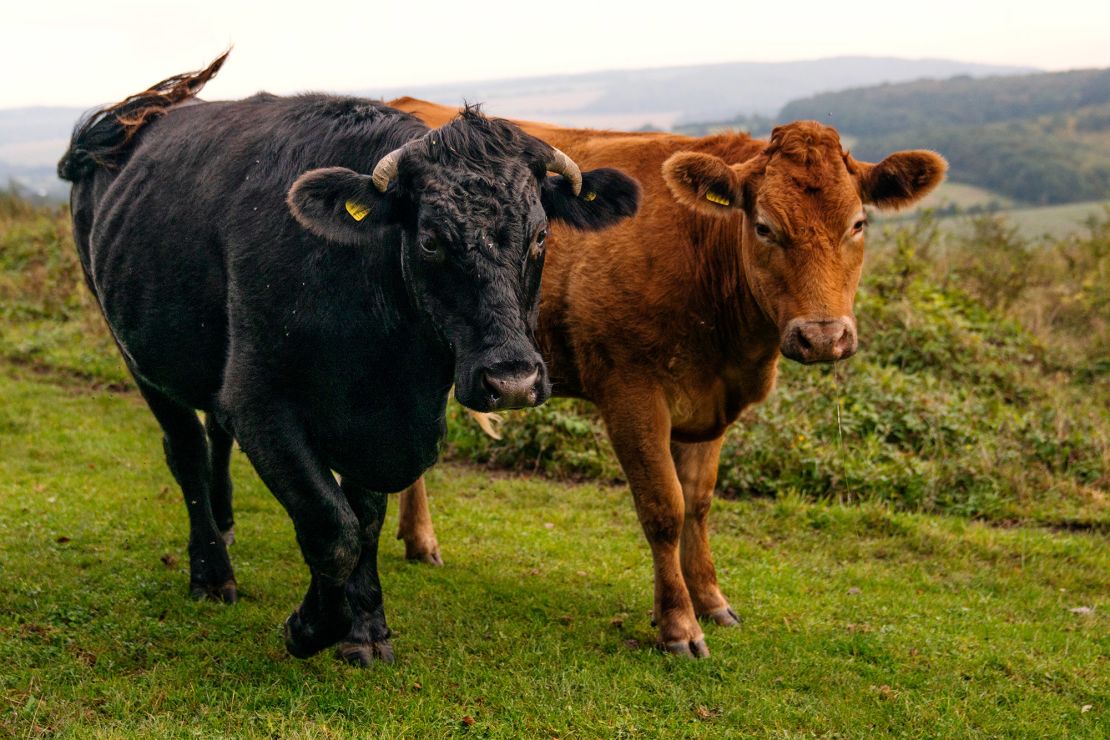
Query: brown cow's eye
{"points": [[763, 230], [859, 226]]}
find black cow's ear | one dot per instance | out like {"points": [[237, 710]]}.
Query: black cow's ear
{"points": [[607, 196], [703, 183], [337, 204]]}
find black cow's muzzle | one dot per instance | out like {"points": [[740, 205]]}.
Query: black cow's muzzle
{"points": [[511, 384]]}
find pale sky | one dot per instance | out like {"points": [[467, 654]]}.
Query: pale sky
{"points": [[81, 52]]}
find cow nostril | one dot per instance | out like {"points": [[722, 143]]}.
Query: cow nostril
{"points": [[803, 341], [491, 386]]}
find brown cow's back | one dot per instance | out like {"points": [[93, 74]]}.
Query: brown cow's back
{"points": [[657, 293]]}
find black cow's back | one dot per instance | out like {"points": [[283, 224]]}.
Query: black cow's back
{"points": [[194, 225]]}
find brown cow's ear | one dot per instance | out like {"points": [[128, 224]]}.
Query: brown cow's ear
{"points": [[337, 204], [703, 182], [901, 179]]}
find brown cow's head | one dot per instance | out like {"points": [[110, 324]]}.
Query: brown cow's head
{"points": [[802, 246]]}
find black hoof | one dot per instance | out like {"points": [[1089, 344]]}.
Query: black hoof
{"points": [[362, 654], [226, 592], [303, 641]]}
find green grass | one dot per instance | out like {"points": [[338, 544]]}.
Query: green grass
{"points": [[857, 620], [1031, 222], [1055, 221]]}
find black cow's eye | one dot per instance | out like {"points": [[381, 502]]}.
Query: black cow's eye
{"points": [[763, 230], [541, 237], [432, 247]]}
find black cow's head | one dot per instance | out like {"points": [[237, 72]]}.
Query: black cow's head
{"points": [[473, 199]]}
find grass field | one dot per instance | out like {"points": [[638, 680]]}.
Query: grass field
{"points": [[1054, 221], [963, 196], [1032, 222], [857, 620]]}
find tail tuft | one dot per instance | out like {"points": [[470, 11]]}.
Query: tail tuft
{"points": [[102, 136]]}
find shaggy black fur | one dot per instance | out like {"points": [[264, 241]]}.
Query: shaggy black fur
{"points": [[219, 241]]}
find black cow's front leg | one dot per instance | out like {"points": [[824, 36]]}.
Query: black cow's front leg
{"points": [[327, 529], [368, 638]]}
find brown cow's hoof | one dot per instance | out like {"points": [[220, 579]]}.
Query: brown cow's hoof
{"points": [[725, 617], [228, 592], [688, 648], [423, 552], [362, 654], [303, 641]]}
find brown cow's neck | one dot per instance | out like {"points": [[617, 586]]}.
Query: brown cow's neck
{"points": [[742, 330]]}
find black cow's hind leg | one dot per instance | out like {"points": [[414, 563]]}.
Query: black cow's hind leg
{"points": [[327, 530], [186, 447], [368, 638], [219, 444]]}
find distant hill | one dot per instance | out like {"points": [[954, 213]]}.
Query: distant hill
{"points": [[670, 96], [32, 139], [1039, 139], [962, 101]]}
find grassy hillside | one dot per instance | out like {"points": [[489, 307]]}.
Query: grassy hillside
{"points": [[980, 391], [856, 619], [962, 197], [1050, 223]]}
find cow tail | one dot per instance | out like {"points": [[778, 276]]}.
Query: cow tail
{"points": [[102, 138]]}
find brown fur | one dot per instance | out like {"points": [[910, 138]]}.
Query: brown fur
{"points": [[672, 321]]}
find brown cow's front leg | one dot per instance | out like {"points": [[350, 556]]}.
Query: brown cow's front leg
{"points": [[696, 465], [415, 525], [639, 426]]}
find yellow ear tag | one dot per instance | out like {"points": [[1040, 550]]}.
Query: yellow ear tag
{"points": [[590, 195], [357, 210], [718, 199]]}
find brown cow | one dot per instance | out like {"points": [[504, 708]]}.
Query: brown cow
{"points": [[673, 321]]}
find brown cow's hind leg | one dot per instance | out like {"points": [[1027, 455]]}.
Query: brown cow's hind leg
{"points": [[415, 525], [696, 465]]}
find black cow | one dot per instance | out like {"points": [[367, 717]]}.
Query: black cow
{"points": [[317, 315]]}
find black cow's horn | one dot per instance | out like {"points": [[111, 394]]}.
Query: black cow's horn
{"points": [[386, 169], [563, 165]]}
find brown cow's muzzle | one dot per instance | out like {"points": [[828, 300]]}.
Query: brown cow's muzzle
{"points": [[808, 340]]}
